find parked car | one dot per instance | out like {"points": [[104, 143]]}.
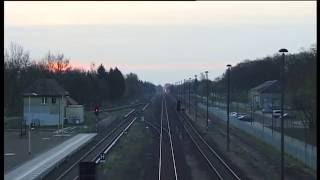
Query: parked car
{"points": [[233, 114], [243, 117], [277, 114]]}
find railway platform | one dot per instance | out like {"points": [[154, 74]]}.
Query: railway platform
{"points": [[45, 162]]}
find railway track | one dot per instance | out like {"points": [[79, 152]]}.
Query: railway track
{"points": [[167, 162], [220, 169], [103, 143]]}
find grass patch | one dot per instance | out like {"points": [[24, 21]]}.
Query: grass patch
{"points": [[127, 159]]}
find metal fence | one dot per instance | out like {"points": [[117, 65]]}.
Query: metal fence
{"points": [[301, 151]]}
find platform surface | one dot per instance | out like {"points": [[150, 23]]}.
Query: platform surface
{"points": [[41, 164]]}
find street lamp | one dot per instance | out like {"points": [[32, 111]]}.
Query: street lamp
{"points": [[181, 92], [189, 93], [195, 95], [184, 92], [207, 99], [29, 141], [283, 51], [228, 104]]}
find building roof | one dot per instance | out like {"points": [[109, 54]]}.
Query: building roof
{"points": [[45, 87], [71, 101], [268, 87]]}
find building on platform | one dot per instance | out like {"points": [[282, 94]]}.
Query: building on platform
{"points": [[46, 103]]}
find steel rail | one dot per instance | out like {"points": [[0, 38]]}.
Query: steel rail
{"points": [[211, 149], [160, 143], [169, 132], [92, 149]]}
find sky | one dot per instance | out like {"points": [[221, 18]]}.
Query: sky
{"points": [[162, 42]]}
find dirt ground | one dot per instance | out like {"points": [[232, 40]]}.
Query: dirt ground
{"points": [[258, 160]]}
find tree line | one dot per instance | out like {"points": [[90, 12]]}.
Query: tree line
{"points": [[88, 87]]}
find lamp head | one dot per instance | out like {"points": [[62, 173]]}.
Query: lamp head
{"points": [[283, 50]]}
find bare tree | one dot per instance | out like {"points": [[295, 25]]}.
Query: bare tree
{"points": [[57, 62], [16, 57]]}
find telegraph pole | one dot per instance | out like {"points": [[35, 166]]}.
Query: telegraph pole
{"points": [[228, 102], [195, 95], [283, 51], [189, 92], [207, 100], [184, 92]]}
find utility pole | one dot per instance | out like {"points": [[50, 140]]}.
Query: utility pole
{"points": [[228, 102], [207, 99], [181, 92], [185, 92], [272, 116], [283, 51], [189, 93], [195, 95], [251, 108], [29, 144]]}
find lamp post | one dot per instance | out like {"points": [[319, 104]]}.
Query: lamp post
{"points": [[181, 92], [185, 91], [283, 51], [272, 116], [195, 95], [228, 101], [29, 134], [207, 100], [189, 93]]}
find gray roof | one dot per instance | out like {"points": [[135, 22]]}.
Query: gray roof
{"points": [[45, 87], [71, 101], [268, 87]]}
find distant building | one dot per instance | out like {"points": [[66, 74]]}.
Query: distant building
{"points": [[266, 95], [45, 102]]}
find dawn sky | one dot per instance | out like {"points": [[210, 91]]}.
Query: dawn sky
{"points": [[162, 42]]}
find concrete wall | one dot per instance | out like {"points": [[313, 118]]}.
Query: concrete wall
{"points": [[45, 114], [74, 114]]}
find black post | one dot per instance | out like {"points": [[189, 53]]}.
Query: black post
{"points": [[196, 99], [263, 121], [212, 96], [228, 101], [185, 92], [282, 103], [180, 85], [207, 100], [21, 126], [272, 116], [251, 108], [189, 93]]}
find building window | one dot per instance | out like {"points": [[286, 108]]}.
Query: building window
{"points": [[44, 100], [54, 100]]}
